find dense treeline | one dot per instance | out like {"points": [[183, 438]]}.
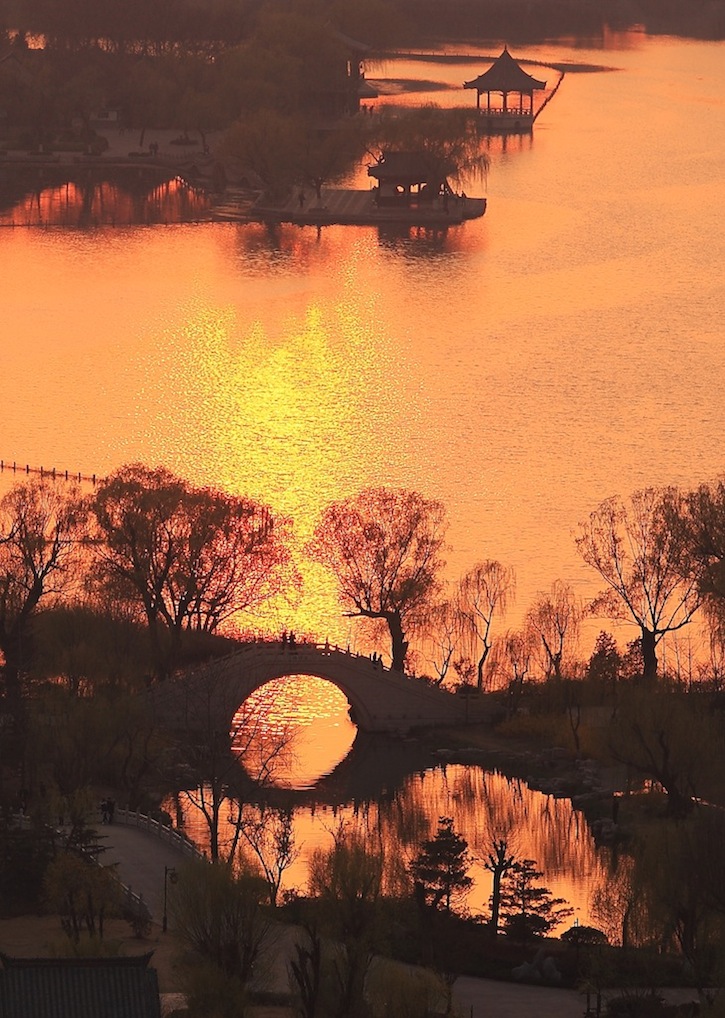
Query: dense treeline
{"points": [[526, 21], [151, 549], [275, 82], [184, 25], [177, 64]]}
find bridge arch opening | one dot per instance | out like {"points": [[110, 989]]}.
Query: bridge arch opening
{"points": [[297, 728]]}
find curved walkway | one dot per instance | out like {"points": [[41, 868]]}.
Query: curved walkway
{"points": [[142, 860], [141, 857]]}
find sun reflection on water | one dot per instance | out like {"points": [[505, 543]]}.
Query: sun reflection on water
{"points": [[317, 714], [485, 805]]}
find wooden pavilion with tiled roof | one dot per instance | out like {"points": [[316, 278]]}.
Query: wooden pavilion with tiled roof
{"points": [[505, 78], [408, 178], [117, 987]]}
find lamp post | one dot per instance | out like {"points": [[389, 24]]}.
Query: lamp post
{"points": [[169, 875]]}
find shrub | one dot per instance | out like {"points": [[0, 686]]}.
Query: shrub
{"points": [[584, 936], [632, 1005]]}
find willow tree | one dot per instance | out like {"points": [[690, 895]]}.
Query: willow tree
{"points": [[186, 557], [452, 141], [41, 527], [643, 560], [484, 592], [555, 619], [384, 546]]}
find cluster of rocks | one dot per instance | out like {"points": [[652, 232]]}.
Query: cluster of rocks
{"points": [[542, 969]]}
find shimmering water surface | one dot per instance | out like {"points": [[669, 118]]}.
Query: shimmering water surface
{"points": [[566, 347], [405, 811]]}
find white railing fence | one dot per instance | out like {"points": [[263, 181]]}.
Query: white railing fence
{"points": [[170, 835]]}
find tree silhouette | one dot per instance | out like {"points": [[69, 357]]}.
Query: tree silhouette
{"points": [[528, 909], [384, 547], [440, 870], [700, 524], [498, 862], [188, 558], [40, 530], [485, 591], [643, 560], [555, 618]]}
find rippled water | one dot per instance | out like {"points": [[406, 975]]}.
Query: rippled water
{"points": [[564, 348], [484, 805]]}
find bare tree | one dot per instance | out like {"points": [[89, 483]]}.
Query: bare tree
{"points": [[40, 530], [212, 762], [484, 592], [510, 663], [188, 557], [269, 832], [442, 638], [384, 547], [643, 561], [555, 618], [498, 862]]}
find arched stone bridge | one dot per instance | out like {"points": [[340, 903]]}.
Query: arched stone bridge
{"points": [[382, 700]]}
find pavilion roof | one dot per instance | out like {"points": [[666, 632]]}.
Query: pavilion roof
{"points": [[505, 75], [354, 45], [407, 168], [118, 987]]}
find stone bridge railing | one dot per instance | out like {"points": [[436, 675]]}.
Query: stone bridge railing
{"points": [[170, 835], [382, 700]]}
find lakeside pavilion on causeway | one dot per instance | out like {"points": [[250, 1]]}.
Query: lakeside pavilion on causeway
{"points": [[513, 106]]}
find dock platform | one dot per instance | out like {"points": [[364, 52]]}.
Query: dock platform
{"points": [[340, 206]]}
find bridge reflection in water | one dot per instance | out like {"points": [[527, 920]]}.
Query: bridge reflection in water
{"points": [[393, 791]]}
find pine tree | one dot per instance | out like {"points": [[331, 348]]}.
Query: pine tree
{"points": [[440, 870], [528, 909]]}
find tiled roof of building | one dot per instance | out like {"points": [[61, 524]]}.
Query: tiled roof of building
{"points": [[505, 75], [78, 988], [406, 167]]}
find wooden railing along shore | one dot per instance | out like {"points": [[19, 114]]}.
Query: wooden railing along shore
{"points": [[6, 466]]}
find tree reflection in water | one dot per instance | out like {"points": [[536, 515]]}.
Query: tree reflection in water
{"points": [[485, 805]]}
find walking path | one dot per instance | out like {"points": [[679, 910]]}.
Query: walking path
{"points": [[142, 857], [142, 860]]}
